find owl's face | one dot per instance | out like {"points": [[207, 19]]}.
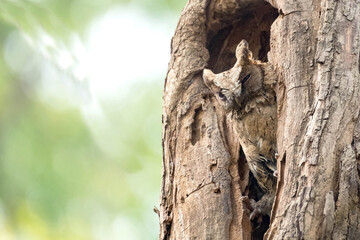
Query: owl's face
{"points": [[229, 87], [228, 95], [232, 87]]}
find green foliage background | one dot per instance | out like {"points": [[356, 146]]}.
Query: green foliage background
{"points": [[55, 180]]}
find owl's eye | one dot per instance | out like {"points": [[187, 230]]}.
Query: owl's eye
{"points": [[245, 79], [221, 95]]}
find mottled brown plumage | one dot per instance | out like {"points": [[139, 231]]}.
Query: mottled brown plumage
{"points": [[246, 93]]}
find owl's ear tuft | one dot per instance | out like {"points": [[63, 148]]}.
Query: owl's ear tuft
{"points": [[208, 76], [243, 52]]}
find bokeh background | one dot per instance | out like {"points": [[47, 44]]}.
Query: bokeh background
{"points": [[80, 117]]}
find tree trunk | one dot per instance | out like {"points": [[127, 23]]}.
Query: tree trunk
{"points": [[313, 47]]}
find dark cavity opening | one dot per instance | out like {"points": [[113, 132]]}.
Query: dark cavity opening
{"points": [[253, 26]]}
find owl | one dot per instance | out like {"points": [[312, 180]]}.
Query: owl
{"points": [[246, 93]]}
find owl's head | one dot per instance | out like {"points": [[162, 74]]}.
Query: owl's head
{"points": [[230, 87]]}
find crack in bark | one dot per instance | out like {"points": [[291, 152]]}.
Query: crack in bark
{"points": [[196, 125], [201, 185], [300, 86], [287, 14], [359, 62]]}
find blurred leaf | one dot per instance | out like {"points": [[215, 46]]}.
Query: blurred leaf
{"points": [[63, 174]]}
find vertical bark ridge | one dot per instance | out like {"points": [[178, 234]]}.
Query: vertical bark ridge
{"points": [[319, 119]]}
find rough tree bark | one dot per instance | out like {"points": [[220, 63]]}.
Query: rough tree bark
{"points": [[314, 48]]}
